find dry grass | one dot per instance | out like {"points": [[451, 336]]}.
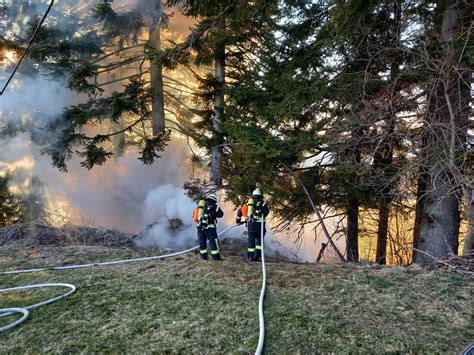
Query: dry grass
{"points": [[187, 305]]}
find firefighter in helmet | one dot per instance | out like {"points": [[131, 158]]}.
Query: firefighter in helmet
{"points": [[253, 213], [205, 215]]}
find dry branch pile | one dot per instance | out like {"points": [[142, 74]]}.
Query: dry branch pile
{"points": [[458, 265], [39, 233]]}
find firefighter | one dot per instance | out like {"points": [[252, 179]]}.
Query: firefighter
{"points": [[253, 213], [207, 227]]}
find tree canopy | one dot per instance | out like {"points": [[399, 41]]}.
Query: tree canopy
{"points": [[356, 105]]}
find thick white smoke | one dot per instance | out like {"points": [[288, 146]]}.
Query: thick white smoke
{"points": [[167, 202], [120, 194], [29, 98], [172, 210], [125, 194]]}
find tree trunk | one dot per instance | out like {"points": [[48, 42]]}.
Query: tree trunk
{"points": [[420, 193], [439, 224], [382, 231], [468, 248], [218, 118], [385, 161], [321, 252], [118, 140], [386, 158], [353, 230], [352, 208], [447, 114], [156, 77]]}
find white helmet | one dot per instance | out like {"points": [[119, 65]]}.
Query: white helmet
{"points": [[212, 197], [256, 192]]}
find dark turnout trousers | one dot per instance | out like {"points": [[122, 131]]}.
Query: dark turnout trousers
{"points": [[254, 247], [211, 235]]}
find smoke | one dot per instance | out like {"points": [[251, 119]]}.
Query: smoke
{"points": [[38, 97], [167, 202], [123, 193], [171, 211], [162, 235], [307, 248], [126, 195], [117, 194]]}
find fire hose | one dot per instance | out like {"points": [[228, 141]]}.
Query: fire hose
{"points": [[5, 312], [261, 318], [106, 263]]}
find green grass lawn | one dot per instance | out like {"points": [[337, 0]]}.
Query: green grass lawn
{"points": [[187, 305]]}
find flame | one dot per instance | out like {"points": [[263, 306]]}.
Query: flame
{"points": [[25, 163], [8, 57], [20, 187], [60, 210]]}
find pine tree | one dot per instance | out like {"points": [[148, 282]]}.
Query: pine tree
{"points": [[12, 208], [317, 102], [106, 57], [225, 36], [19, 206]]}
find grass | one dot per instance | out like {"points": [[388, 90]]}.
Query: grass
{"points": [[187, 305]]}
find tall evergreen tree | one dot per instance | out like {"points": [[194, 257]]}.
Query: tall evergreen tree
{"points": [[106, 57], [224, 37]]}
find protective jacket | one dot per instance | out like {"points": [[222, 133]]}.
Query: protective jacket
{"points": [[206, 228], [260, 211], [254, 213], [210, 213]]}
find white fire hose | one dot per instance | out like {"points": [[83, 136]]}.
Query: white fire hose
{"points": [[106, 263], [261, 319], [5, 312]]}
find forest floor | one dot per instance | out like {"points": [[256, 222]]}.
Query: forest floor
{"points": [[186, 305]]}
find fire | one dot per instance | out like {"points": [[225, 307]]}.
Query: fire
{"points": [[25, 163], [9, 56], [20, 187], [60, 210], [63, 197]]}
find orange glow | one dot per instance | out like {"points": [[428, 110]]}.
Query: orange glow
{"points": [[26, 163], [8, 57], [60, 211]]}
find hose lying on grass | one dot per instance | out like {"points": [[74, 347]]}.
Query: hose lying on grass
{"points": [[261, 318], [5, 312], [105, 263]]}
